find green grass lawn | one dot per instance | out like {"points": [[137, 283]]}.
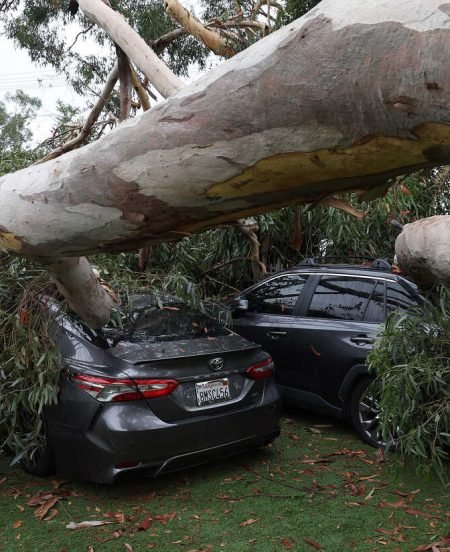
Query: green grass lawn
{"points": [[316, 488]]}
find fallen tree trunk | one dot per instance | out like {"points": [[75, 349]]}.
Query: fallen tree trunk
{"points": [[344, 98], [341, 99]]}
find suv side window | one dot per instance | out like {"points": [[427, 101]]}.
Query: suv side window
{"points": [[341, 297], [376, 310], [397, 298], [277, 296]]}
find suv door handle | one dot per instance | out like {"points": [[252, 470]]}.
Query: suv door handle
{"points": [[276, 334], [362, 340]]}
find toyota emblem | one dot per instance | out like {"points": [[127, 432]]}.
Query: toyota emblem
{"points": [[216, 363]]}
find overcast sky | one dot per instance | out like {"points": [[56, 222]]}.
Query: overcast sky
{"points": [[17, 71]]}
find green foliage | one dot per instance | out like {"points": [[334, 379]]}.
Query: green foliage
{"points": [[297, 8], [412, 362], [29, 361], [15, 132]]}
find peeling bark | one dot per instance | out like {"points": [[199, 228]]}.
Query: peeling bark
{"points": [[266, 128], [342, 99]]}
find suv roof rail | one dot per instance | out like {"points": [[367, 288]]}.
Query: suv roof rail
{"points": [[378, 264]]}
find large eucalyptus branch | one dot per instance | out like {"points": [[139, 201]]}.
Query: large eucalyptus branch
{"points": [[157, 72]]}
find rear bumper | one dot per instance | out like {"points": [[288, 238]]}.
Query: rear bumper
{"points": [[131, 433]]}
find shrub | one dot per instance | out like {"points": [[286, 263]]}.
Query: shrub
{"points": [[412, 362], [29, 361]]}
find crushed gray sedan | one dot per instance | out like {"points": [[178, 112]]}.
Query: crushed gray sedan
{"points": [[166, 388]]}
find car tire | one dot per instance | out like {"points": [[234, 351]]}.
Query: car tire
{"points": [[40, 464], [42, 461], [364, 413]]}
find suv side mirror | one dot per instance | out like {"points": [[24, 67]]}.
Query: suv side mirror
{"points": [[239, 305]]}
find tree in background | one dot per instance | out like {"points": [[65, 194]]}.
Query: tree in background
{"points": [[16, 116]]}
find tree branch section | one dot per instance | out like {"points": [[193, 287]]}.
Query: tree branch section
{"points": [[211, 39], [342, 99], [164, 80]]}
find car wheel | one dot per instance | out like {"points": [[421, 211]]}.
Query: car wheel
{"points": [[39, 462], [364, 413]]}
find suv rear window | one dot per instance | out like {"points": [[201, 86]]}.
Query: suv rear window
{"points": [[341, 297], [398, 298]]}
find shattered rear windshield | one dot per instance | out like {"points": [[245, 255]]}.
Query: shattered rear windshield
{"points": [[152, 318]]}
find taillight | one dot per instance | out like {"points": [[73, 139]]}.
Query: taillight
{"points": [[261, 370], [114, 389]]}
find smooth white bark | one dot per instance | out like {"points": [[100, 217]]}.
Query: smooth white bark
{"points": [[423, 250], [342, 99], [157, 72]]}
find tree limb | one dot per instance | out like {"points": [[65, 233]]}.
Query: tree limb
{"points": [[157, 72], [125, 80], [342, 205], [75, 280], [211, 39], [140, 90], [90, 121]]}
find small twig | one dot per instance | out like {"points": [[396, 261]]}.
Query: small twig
{"points": [[225, 263], [222, 283], [92, 118], [78, 36]]}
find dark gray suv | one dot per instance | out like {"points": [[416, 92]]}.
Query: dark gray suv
{"points": [[319, 322], [165, 389]]}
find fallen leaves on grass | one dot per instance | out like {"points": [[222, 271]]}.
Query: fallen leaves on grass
{"points": [[250, 521], [313, 543], [164, 518], [398, 504], [89, 523], [13, 492], [436, 546], [287, 544], [146, 523], [414, 512], [354, 504], [16, 524], [44, 502], [119, 517], [379, 456], [315, 461]]}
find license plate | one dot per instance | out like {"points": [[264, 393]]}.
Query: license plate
{"points": [[211, 392]]}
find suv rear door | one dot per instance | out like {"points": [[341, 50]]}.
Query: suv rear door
{"points": [[329, 335]]}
